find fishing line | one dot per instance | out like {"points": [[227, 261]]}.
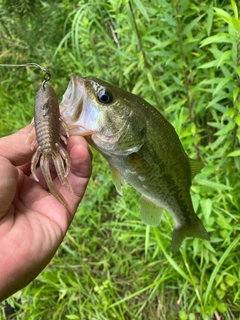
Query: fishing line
{"points": [[30, 64], [47, 73]]}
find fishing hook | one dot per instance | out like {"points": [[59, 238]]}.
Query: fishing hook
{"points": [[47, 77]]}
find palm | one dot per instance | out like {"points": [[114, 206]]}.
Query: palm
{"points": [[32, 222]]}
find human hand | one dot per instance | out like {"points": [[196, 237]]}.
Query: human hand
{"points": [[32, 222]]}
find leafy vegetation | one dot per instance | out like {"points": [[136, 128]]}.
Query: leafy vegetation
{"points": [[183, 57]]}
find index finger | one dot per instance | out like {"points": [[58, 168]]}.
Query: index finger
{"points": [[15, 148]]}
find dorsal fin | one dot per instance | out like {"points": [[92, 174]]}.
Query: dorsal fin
{"points": [[196, 166]]}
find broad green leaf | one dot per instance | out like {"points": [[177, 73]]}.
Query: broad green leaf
{"points": [[218, 38], [210, 19], [72, 317], [237, 120], [235, 9], [218, 98], [150, 79], [141, 8], [216, 52], [230, 112], [221, 307], [192, 24], [224, 15], [223, 57], [225, 70], [238, 70], [137, 86], [210, 64], [235, 94], [224, 223], [213, 185], [206, 205], [235, 153], [221, 84], [228, 128], [236, 24], [182, 315], [207, 82], [218, 266], [196, 201], [128, 69], [231, 280]]}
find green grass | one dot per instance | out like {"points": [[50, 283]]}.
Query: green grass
{"points": [[182, 57]]}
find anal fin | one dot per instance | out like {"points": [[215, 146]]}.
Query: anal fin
{"points": [[150, 213]]}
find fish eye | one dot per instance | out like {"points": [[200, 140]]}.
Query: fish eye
{"points": [[105, 96]]}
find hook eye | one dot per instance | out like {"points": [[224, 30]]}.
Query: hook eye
{"points": [[47, 77]]}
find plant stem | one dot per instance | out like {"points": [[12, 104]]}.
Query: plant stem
{"points": [[238, 86], [184, 61], [146, 64], [188, 81], [138, 35]]}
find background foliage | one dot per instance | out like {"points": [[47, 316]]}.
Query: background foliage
{"points": [[183, 57]]}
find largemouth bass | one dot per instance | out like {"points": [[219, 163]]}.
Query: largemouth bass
{"points": [[142, 149]]}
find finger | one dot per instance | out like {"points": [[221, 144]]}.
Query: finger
{"points": [[15, 148], [39, 200], [80, 173], [25, 168], [9, 176], [73, 141], [81, 156]]}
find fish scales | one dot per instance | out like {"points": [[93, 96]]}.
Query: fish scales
{"points": [[142, 148], [159, 184]]}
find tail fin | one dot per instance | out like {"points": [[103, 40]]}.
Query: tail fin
{"points": [[195, 230]]}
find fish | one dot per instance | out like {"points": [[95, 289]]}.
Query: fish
{"points": [[48, 126], [142, 149]]}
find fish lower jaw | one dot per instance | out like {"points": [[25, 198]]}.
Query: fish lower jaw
{"points": [[103, 143], [78, 130]]}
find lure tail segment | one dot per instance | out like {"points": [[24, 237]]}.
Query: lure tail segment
{"points": [[195, 230]]}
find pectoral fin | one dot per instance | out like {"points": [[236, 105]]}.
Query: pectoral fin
{"points": [[117, 180], [150, 213]]}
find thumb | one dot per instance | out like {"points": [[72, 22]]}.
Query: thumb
{"points": [[15, 148], [8, 184]]}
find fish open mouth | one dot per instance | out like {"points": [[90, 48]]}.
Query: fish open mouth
{"points": [[82, 115], [71, 108], [72, 98]]}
